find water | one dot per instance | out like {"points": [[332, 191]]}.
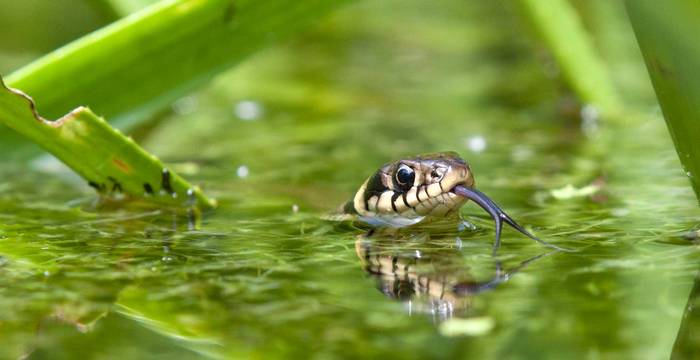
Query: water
{"points": [[264, 276]]}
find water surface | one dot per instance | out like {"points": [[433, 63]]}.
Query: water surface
{"points": [[288, 137]]}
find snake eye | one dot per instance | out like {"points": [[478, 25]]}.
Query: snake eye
{"points": [[405, 176]]}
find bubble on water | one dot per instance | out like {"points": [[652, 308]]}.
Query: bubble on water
{"points": [[248, 110], [185, 105], [242, 172], [476, 143]]}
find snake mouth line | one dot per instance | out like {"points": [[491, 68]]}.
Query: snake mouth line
{"points": [[498, 215], [459, 184]]}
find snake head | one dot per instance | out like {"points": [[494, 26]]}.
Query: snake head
{"points": [[404, 192]]}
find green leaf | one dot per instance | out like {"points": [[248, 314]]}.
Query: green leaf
{"points": [[133, 68], [667, 35], [109, 161], [136, 66]]}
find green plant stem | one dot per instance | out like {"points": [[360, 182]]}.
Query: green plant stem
{"points": [[561, 30]]}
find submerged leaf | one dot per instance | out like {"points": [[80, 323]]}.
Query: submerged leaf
{"points": [[475, 326], [570, 192], [110, 162]]}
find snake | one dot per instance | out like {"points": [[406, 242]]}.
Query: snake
{"points": [[417, 189]]}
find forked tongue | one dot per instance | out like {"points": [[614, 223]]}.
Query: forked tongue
{"points": [[498, 216]]}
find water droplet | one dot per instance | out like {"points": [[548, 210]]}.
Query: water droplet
{"points": [[47, 273], [418, 254], [465, 225], [476, 143], [295, 208], [242, 172], [167, 258], [248, 110], [689, 174]]}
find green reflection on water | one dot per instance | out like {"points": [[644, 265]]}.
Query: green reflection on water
{"points": [[261, 280]]}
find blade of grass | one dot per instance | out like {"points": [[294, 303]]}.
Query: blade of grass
{"points": [[666, 32], [687, 344], [109, 161], [561, 30]]}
